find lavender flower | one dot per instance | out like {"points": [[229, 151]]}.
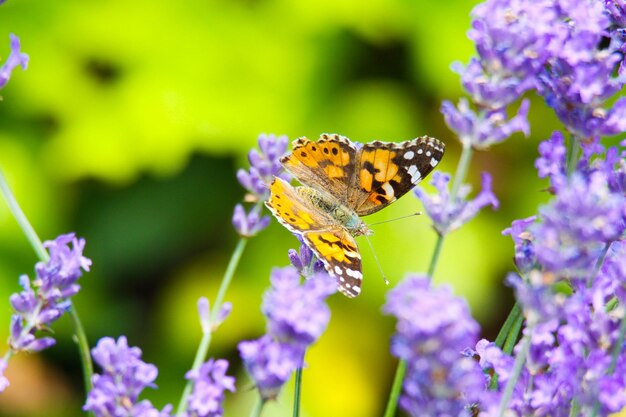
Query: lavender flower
{"points": [[297, 313], [569, 361], [524, 250], [209, 383], [580, 75], [16, 58], [432, 331], [450, 215], [46, 299], [264, 166], [249, 224], [574, 228], [297, 316], [305, 262], [514, 39], [484, 128], [270, 363], [205, 315], [552, 154], [124, 376]]}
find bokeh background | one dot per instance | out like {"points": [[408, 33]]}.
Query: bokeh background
{"points": [[128, 128]]}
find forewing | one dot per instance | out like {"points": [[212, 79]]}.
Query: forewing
{"points": [[337, 249], [327, 164], [386, 171], [293, 211]]}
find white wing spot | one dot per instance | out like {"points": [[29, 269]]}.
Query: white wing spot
{"points": [[338, 270], [354, 274], [388, 189], [414, 173], [409, 155], [433, 162], [428, 153], [420, 151]]}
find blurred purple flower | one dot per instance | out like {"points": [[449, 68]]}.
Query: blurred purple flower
{"points": [[4, 382], [16, 58], [432, 331], [270, 363], [124, 376], [205, 315], [484, 128], [450, 215], [209, 383], [264, 166], [44, 300], [296, 313], [249, 224]]}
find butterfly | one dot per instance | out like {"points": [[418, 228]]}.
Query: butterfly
{"points": [[341, 182]]}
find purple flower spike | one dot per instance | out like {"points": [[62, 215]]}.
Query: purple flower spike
{"points": [[209, 384], [249, 224], [264, 166], [16, 58], [44, 300], [4, 382], [450, 215], [432, 331], [270, 363], [305, 262], [124, 376], [480, 130], [302, 322], [575, 226]]}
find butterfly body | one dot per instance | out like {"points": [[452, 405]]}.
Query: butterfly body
{"points": [[343, 181]]}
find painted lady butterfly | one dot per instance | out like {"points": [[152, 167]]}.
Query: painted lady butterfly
{"points": [[342, 181]]}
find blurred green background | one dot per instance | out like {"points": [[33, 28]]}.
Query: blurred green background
{"points": [[128, 128]]}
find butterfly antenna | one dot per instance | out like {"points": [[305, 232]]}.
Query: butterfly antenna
{"points": [[418, 213], [380, 268]]}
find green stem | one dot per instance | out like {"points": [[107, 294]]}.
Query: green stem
{"points": [[515, 374], [573, 152], [435, 257], [33, 238], [516, 311], [297, 392], [511, 339], [396, 388], [507, 336], [203, 348], [258, 407], [461, 170], [21, 219], [459, 177], [83, 348]]}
